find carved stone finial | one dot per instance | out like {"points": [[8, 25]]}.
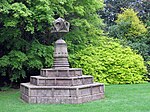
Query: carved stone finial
{"points": [[60, 25], [60, 49]]}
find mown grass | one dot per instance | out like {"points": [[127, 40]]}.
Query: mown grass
{"points": [[118, 98]]}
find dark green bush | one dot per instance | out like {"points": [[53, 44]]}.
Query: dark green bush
{"points": [[16, 62], [110, 63], [25, 27]]}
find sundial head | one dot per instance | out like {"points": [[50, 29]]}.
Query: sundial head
{"points": [[60, 25]]}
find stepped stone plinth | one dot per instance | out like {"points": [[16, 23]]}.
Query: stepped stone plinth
{"points": [[61, 72], [61, 84]]}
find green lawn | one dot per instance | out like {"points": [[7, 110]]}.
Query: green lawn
{"points": [[119, 98]]}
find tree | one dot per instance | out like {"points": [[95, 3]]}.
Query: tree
{"points": [[132, 32], [25, 31], [25, 39], [113, 8], [110, 13], [128, 25]]}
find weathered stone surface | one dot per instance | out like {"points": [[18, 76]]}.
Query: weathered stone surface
{"points": [[61, 81], [61, 94], [60, 25], [62, 100], [50, 82], [60, 54], [61, 72], [25, 98], [32, 100]]}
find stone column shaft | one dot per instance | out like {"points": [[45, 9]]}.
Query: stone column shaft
{"points": [[60, 54]]}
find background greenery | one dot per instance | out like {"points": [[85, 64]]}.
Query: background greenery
{"points": [[27, 44], [110, 63], [123, 18], [25, 31], [114, 7]]}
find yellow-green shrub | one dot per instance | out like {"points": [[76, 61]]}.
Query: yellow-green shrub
{"points": [[110, 63], [128, 25]]}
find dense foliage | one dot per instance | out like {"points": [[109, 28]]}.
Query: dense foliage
{"points": [[27, 44], [110, 63], [113, 8], [110, 13], [25, 31], [132, 32], [128, 26]]}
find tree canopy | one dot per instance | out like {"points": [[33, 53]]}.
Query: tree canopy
{"points": [[25, 31], [25, 39], [113, 8]]}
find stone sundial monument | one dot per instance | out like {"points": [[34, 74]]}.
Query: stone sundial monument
{"points": [[61, 84]]}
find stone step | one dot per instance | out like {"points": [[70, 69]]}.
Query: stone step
{"points": [[61, 94], [61, 72], [62, 99], [61, 81]]}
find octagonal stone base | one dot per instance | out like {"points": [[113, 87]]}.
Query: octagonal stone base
{"points": [[61, 85], [61, 94]]}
